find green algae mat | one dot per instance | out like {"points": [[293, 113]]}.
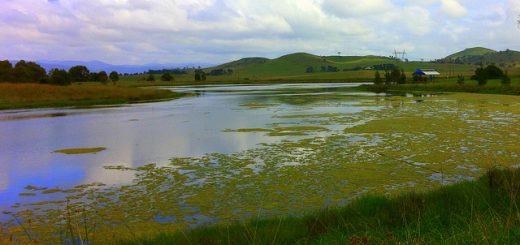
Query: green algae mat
{"points": [[326, 159]]}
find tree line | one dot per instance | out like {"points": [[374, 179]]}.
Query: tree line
{"points": [[31, 72], [393, 76], [482, 75]]}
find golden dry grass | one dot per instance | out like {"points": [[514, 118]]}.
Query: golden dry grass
{"points": [[41, 95]]}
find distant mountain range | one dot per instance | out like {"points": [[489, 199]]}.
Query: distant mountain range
{"points": [[97, 66]]}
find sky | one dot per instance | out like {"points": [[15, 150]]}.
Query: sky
{"points": [[217, 31]]}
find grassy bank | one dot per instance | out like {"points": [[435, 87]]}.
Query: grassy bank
{"points": [[13, 96], [450, 85], [472, 212], [339, 77]]}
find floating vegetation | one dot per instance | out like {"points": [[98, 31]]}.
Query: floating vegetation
{"points": [[256, 105], [404, 146], [75, 151], [281, 131], [248, 130]]}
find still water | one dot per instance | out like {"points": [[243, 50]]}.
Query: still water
{"points": [[139, 134]]}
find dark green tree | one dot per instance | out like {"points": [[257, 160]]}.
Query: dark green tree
{"points": [[150, 78], [506, 80], [309, 69], [79, 73], [200, 75], [166, 77], [93, 77], [395, 75], [402, 78], [103, 77], [6, 71], [481, 76], [416, 77], [114, 76], [460, 80], [388, 78], [494, 72], [377, 79], [28, 72], [59, 77]]}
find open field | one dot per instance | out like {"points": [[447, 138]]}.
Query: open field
{"points": [[14, 96]]}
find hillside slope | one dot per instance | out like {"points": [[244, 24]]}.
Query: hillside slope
{"points": [[477, 51], [505, 59], [299, 63]]}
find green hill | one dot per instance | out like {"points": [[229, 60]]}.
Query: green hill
{"points": [[478, 51], [309, 67], [299, 63], [242, 63], [505, 59]]}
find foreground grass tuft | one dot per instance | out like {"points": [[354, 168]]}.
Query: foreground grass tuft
{"points": [[473, 212]]}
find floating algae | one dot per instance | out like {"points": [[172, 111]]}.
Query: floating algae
{"points": [[256, 105]]}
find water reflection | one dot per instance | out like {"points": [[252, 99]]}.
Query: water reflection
{"points": [[138, 134]]}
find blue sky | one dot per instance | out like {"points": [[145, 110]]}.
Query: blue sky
{"points": [[215, 31]]}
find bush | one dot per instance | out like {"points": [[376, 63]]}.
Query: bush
{"points": [[377, 79], [460, 80], [481, 76], [166, 77], [150, 78], [79, 74], [6, 70], [200, 75], [506, 80], [114, 76], [28, 72], [103, 77], [59, 77], [493, 72]]}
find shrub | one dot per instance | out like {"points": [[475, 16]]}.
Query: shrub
{"points": [[59, 77], [460, 80], [506, 80]]}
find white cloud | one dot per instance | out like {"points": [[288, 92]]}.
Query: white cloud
{"points": [[515, 5], [355, 8], [166, 31], [453, 8]]}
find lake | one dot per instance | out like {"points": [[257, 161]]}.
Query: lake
{"points": [[234, 152], [136, 135]]}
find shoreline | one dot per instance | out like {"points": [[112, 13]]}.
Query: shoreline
{"points": [[84, 96]]}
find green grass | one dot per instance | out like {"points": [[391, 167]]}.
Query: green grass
{"points": [[13, 96], [292, 68], [450, 85], [77, 151], [471, 212], [477, 51]]}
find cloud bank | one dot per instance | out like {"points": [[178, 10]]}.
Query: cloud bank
{"points": [[176, 31]]}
